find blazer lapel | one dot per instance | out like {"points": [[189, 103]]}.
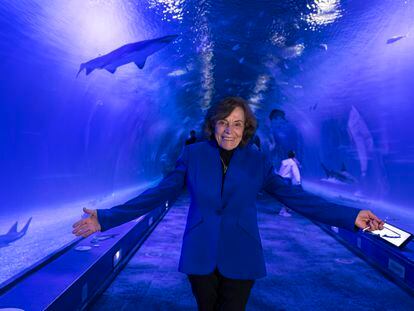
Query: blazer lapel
{"points": [[214, 171], [232, 176]]}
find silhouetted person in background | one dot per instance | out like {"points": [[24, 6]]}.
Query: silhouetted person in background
{"points": [[289, 169], [283, 138], [256, 142], [192, 139]]}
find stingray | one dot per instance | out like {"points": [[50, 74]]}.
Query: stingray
{"points": [[13, 235]]}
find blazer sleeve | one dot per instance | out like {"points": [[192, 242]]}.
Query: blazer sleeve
{"points": [[169, 187], [309, 205]]}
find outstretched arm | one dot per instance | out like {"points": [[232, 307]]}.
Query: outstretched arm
{"points": [[104, 219], [317, 208]]}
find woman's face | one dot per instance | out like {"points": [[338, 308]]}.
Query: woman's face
{"points": [[229, 131]]}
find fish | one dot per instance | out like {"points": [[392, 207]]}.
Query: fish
{"points": [[13, 235], [235, 47], [343, 176], [136, 52], [313, 107], [191, 84], [395, 39], [177, 73], [323, 46]]}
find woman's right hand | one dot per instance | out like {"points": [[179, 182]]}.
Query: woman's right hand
{"points": [[85, 227]]}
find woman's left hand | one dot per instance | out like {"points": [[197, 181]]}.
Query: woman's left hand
{"points": [[366, 220]]}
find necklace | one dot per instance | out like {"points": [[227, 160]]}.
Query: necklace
{"points": [[224, 166]]}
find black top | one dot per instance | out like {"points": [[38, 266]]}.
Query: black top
{"points": [[191, 140], [225, 156]]}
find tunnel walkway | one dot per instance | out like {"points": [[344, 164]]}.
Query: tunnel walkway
{"points": [[307, 270]]}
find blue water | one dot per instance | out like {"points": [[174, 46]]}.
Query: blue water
{"points": [[327, 64]]}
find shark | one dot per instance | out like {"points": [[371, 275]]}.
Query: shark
{"points": [[343, 176], [395, 39], [361, 137], [136, 52], [13, 235]]}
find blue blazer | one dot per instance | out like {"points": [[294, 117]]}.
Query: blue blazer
{"points": [[222, 229]]}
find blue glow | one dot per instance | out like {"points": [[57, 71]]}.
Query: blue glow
{"points": [[342, 71]]}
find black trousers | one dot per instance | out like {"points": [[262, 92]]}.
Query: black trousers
{"points": [[215, 292]]}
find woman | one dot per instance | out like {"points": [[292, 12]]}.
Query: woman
{"points": [[222, 252]]}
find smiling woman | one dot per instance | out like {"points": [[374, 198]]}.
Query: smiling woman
{"points": [[231, 122], [222, 252], [229, 133]]}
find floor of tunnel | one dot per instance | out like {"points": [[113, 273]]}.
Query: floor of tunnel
{"points": [[307, 270]]}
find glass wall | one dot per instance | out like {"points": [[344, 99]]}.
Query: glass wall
{"points": [[341, 71]]}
